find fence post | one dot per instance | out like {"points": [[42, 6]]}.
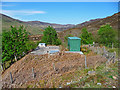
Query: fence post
{"points": [[114, 57], [54, 66], [104, 49], [11, 78], [93, 44], [2, 66], [85, 63], [114, 53], [33, 74], [98, 50]]}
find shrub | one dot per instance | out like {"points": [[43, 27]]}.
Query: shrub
{"points": [[50, 36], [30, 45], [86, 37]]}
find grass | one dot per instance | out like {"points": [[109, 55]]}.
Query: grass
{"points": [[30, 86], [103, 76], [114, 49]]}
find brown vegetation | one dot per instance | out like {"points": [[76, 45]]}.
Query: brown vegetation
{"points": [[48, 69]]}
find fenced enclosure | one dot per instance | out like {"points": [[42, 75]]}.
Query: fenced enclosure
{"points": [[111, 56], [38, 67]]}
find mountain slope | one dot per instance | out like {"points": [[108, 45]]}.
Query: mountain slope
{"points": [[92, 26], [34, 27]]}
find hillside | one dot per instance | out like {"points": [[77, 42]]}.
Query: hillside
{"points": [[61, 70], [34, 27], [92, 26], [45, 75]]}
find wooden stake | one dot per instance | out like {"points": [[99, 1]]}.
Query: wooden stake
{"points": [[97, 50], [104, 49], [2, 66], [54, 66], [114, 57], [11, 78], [114, 53], [85, 63], [33, 74]]}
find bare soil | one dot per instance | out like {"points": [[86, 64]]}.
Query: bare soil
{"points": [[44, 69]]}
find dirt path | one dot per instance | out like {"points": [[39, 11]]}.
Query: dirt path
{"points": [[44, 68]]}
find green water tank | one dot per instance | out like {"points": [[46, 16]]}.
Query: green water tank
{"points": [[74, 43]]}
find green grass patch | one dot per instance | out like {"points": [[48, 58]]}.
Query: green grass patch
{"points": [[103, 75]]}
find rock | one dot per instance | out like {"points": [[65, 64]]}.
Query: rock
{"points": [[114, 77], [60, 87], [91, 72], [99, 84], [68, 83], [114, 87], [21, 84], [74, 82], [13, 85], [80, 77], [88, 85]]}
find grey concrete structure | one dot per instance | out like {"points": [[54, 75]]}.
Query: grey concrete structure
{"points": [[45, 50], [74, 52]]}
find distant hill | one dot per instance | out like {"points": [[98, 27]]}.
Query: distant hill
{"points": [[92, 26], [37, 27], [34, 27]]}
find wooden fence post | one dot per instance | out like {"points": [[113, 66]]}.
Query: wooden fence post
{"points": [[54, 66], [2, 66], [85, 63], [93, 44], [33, 74], [98, 52], [114, 53], [114, 57], [104, 49], [11, 78]]}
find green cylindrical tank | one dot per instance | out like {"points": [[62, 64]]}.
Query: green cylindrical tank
{"points": [[74, 43]]}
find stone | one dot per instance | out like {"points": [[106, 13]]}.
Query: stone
{"points": [[21, 84], [114, 77], [114, 87], [91, 72], [68, 83], [88, 85], [99, 84], [60, 87]]}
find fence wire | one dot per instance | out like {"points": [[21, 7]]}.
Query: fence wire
{"points": [[110, 56]]}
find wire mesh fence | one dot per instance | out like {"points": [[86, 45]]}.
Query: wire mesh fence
{"points": [[111, 56]]}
